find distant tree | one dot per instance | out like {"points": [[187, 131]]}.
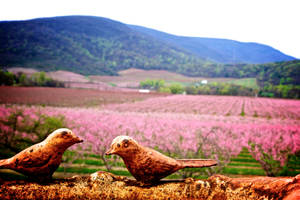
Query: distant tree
{"points": [[20, 79], [176, 88], [152, 84], [39, 78], [220, 89], [6, 78], [165, 90], [191, 90], [23, 79], [280, 79], [225, 89]]}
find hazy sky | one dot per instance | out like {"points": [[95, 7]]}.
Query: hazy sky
{"points": [[272, 22]]}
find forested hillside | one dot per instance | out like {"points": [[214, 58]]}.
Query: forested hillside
{"points": [[280, 79], [87, 45], [100, 46]]}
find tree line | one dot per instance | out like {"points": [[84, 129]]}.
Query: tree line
{"points": [[280, 80], [21, 79], [213, 88]]}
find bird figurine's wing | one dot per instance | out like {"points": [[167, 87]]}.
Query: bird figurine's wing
{"points": [[161, 159], [4, 163], [31, 157], [161, 165]]}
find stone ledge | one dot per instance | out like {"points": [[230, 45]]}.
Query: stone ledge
{"points": [[103, 185]]}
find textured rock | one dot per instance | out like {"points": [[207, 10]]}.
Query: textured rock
{"points": [[103, 185]]}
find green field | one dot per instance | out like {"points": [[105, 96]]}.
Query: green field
{"points": [[247, 82]]}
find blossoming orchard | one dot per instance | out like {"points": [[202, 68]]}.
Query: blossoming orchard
{"points": [[186, 126]]}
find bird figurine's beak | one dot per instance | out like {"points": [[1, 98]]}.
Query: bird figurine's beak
{"points": [[110, 151], [79, 140]]}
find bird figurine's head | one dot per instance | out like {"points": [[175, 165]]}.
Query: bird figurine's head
{"points": [[63, 137], [122, 145]]}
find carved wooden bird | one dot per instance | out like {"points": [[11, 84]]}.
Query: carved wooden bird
{"points": [[148, 165], [40, 161]]}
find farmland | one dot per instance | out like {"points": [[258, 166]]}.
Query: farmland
{"points": [[67, 97], [131, 78], [242, 133], [217, 105]]}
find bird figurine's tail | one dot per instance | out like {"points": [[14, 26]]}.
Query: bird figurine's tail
{"points": [[195, 163], [3, 164]]}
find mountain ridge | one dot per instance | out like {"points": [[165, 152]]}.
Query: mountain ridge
{"points": [[221, 50]]}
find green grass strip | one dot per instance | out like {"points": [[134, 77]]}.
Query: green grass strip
{"points": [[89, 162], [244, 155], [290, 173], [97, 162], [294, 166], [243, 171], [244, 164], [244, 160], [92, 155]]}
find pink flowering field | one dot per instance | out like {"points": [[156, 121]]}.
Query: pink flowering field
{"points": [[188, 126]]}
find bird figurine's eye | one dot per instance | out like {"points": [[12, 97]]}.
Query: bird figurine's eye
{"points": [[64, 134], [126, 143], [118, 145]]}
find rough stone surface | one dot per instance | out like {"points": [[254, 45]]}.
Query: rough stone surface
{"points": [[103, 185]]}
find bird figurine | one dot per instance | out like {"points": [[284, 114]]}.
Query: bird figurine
{"points": [[148, 165], [40, 161]]}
